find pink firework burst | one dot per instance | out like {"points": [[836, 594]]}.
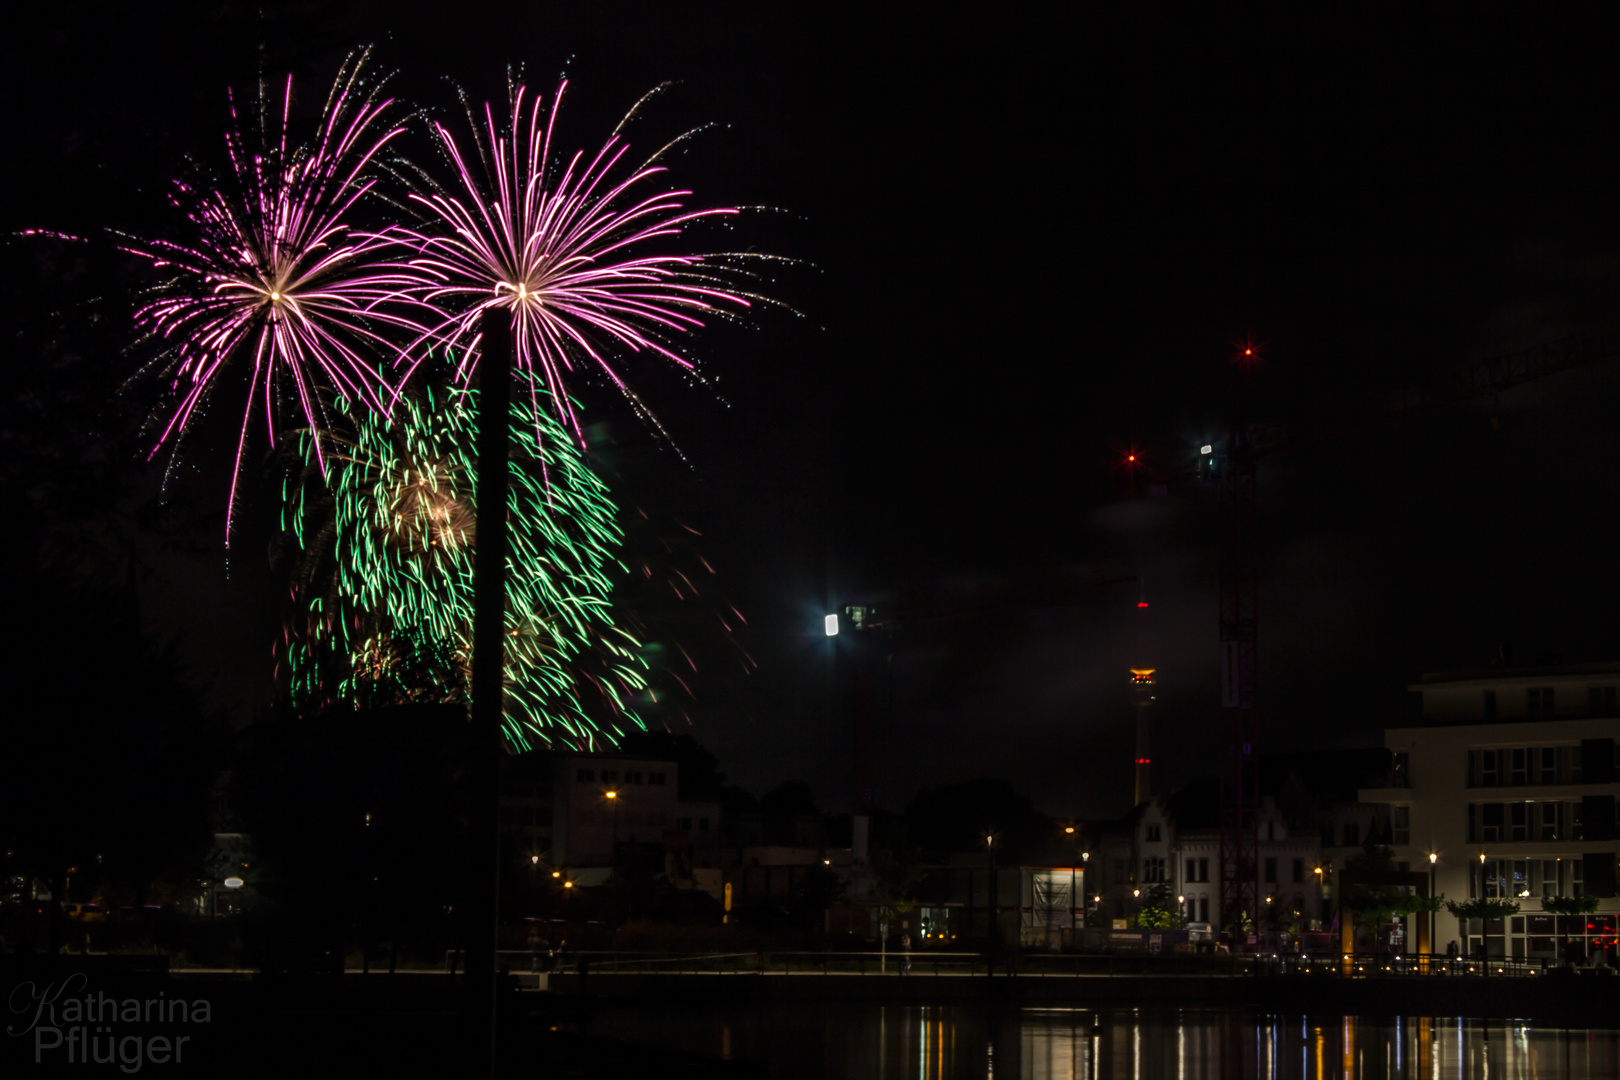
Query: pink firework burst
{"points": [[273, 274], [565, 256]]}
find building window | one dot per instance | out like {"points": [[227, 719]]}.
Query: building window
{"points": [[1487, 768], [1401, 771], [1271, 869], [1577, 877], [1299, 871], [703, 824], [1602, 701], [1490, 706], [609, 776], [1549, 877], [1520, 775], [585, 776], [684, 824], [1402, 824], [1491, 825], [1327, 835], [1153, 834], [1491, 876], [1539, 702], [1203, 909], [1203, 869], [1549, 765], [1352, 833], [1152, 869], [655, 779], [1549, 821], [1518, 826], [632, 776]]}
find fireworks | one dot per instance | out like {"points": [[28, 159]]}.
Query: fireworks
{"points": [[271, 273], [278, 285], [397, 622], [564, 255]]}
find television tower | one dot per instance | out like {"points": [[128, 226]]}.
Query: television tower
{"points": [[1142, 696]]}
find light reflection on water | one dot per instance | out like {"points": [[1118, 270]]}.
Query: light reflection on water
{"points": [[799, 1041]]}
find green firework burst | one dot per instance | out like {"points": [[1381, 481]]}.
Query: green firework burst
{"points": [[393, 622]]}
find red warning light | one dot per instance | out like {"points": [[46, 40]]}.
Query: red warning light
{"points": [[1143, 761], [1130, 457], [1248, 352], [1141, 603]]}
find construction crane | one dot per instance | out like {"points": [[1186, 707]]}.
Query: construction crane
{"points": [[1233, 467]]}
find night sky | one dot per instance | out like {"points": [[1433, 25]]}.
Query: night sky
{"points": [[1034, 244]]}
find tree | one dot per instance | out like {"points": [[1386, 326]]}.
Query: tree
{"points": [[1570, 905], [1482, 909], [955, 818], [1159, 910]]}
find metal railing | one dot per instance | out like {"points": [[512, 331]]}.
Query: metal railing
{"points": [[929, 962]]}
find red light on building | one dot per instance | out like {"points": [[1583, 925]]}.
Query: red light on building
{"points": [[1141, 603], [1143, 761]]}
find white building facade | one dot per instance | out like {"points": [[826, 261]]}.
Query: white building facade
{"points": [[1510, 783]]}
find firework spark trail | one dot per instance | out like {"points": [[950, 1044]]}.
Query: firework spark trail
{"points": [[561, 256], [273, 271], [404, 534]]}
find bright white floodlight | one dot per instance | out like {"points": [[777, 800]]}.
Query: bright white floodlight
{"points": [[831, 624]]}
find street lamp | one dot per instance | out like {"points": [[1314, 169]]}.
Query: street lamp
{"points": [[613, 798], [1433, 858]]}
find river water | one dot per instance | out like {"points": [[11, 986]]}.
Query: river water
{"points": [[857, 1041]]}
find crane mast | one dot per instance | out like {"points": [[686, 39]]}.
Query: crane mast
{"points": [[1239, 625]]}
